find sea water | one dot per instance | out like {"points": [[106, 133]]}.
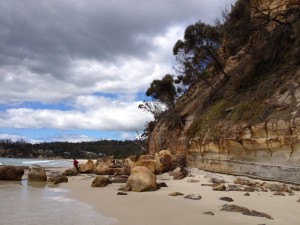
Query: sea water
{"points": [[27, 203], [42, 162]]}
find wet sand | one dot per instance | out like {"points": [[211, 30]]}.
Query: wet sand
{"points": [[149, 208]]}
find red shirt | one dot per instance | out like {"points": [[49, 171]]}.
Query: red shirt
{"points": [[75, 163]]}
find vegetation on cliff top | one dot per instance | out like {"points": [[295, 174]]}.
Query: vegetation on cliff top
{"points": [[241, 59]]}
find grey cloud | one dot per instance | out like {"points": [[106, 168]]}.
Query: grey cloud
{"points": [[39, 29]]}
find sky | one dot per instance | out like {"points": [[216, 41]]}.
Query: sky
{"points": [[76, 70]]}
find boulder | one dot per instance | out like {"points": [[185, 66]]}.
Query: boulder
{"points": [[166, 160], [70, 172], [58, 179], [142, 179], [100, 181], [88, 167], [107, 160], [36, 173], [145, 161], [11, 173], [101, 169], [118, 171]]}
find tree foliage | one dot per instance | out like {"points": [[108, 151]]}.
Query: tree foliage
{"points": [[163, 90], [197, 51]]}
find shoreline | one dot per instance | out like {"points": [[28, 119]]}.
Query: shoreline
{"points": [[157, 207]]}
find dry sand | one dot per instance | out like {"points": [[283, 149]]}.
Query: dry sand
{"points": [[149, 208]]}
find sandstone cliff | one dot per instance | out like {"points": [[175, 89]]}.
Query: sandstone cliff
{"points": [[249, 124]]}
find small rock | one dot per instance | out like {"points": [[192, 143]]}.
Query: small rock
{"points": [[298, 200], [249, 189], [217, 181], [209, 213], [227, 199], [175, 194], [220, 187], [291, 193], [207, 185], [162, 184], [247, 194], [295, 188], [125, 188], [193, 181], [193, 197], [122, 193], [279, 193]]}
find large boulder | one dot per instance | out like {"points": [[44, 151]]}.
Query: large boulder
{"points": [[101, 169], [100, 181], [166, 160], [107, 160], [11, 173], [58, 179], [70, 172], [88, 167], [36, 173], [144, 160], [141, 179]]}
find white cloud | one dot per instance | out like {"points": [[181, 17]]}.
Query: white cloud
{"points": [[96, 113], [11, 137]]}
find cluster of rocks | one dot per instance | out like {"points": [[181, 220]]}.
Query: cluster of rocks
{"points": [[244, 211], [36, 173], [242, 184], [138, 174]]}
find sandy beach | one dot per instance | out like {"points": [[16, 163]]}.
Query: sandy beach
{"points": [[149, 208]]}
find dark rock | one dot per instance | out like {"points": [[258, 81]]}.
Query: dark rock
{"points": [[119, 179], [244, 211], [162, 184], [175, 194], [279, 193], [209, 213], [291, 193], [298, 200], [232, 187], [210, 185], [247, 194], [122, 193], [11, 173], [193, 181], [179, 176], [193, 197], [227, 199]]}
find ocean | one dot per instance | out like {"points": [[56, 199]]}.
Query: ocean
{"points": [[28, 203]]}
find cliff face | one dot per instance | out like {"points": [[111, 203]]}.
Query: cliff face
{"points": [[257, 132]]}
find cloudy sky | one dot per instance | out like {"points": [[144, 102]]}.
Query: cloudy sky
{"points": [[76, 70]]}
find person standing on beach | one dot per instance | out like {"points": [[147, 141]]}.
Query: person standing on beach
{"points": [[75, 163]]}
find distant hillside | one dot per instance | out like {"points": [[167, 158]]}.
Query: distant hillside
{"points": [[239, 111], [94, 149]]}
